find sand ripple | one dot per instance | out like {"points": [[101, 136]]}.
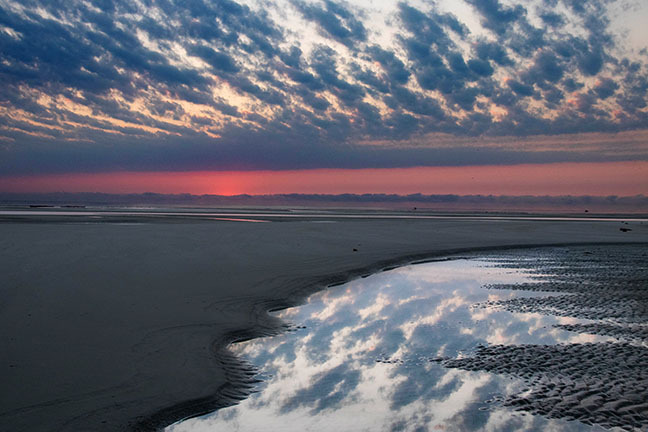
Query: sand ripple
{"points": [[596, 383]]}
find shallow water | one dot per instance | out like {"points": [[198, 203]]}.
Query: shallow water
{"points": [[368, 355]]}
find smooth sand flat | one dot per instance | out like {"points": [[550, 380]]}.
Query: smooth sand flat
{"points": [[107, 326]]}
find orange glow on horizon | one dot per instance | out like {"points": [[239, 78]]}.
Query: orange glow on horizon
{"points": [[613, 178]]}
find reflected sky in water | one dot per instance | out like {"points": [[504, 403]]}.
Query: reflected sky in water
{"points": [[365, 356]]}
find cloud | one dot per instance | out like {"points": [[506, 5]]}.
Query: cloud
{"points": [[218, 60], [335, 20], [605, 88], [392, 65], [521, 89], [551, 19], [217, 85], [497, 17], [547, 67], [480, 67], [487, 50], [328, 391]]}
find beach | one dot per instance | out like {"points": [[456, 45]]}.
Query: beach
{"points": [[119, 321], [486, 341]]}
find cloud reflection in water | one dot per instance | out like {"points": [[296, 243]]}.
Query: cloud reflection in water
{"points": [[366, 359]]}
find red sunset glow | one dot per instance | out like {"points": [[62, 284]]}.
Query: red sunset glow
{"points": [[617, 178]]}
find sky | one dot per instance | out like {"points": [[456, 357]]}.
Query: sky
{"points": [[274, 96]]}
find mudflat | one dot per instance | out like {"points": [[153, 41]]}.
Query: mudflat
{"points": [[118, 322]]}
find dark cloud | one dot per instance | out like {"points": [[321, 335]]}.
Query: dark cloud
{"points": [[373, 82], [549, 67], [571, 84], [521, 89], [410, 101], [428, 29], [336, 20], [552, 19], [218, 60], [497, 17], [606, 88], [553, 95], [465, 97], [480, 67], [487, 50], [324, 63], [393, 66]]}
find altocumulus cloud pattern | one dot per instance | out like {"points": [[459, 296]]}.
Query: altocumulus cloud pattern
{"points": [[200, 84]]}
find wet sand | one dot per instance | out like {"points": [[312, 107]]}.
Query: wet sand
{"points": [[595, 383], [119, 324], [376, 353]]}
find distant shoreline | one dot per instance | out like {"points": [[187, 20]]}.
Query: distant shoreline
{"points": [[411, 203]]}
